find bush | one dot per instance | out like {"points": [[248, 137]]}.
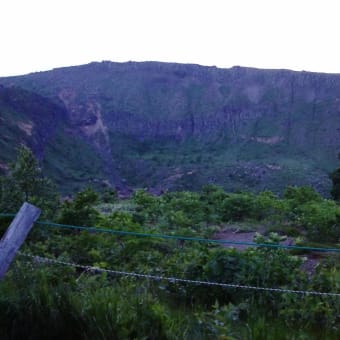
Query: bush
{"points": [[147, 206], [109, 196], [80, 211], [238, 207], [119, 220], [322, 220], [212, 197], [267, 205], [183, 208], [301, 195]]}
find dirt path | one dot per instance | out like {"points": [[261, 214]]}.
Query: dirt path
{"points": [[235, 235]]}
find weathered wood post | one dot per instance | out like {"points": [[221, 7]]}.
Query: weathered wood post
{"points": [[16, 235]]}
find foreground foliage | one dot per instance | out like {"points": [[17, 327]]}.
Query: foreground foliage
{"points": [[40, 300]]}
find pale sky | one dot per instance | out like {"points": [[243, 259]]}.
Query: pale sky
{"points": [[39, 35]]}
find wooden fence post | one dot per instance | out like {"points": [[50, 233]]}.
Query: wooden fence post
{"points": [[16, 235]]}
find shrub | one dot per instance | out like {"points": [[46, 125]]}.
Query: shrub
{"points": [[238, 207], [80, 211], [322, 220], [300, 195]]}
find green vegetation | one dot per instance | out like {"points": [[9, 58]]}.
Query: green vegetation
{"points": [[40, 300], [72, 170], [26, 182]]}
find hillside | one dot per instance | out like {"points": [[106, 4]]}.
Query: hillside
{"points": [[175, 126]]}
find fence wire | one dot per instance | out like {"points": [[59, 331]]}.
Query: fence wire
{"points": [[41, 259]]}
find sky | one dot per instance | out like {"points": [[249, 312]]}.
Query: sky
{"points": [[38, 35]]}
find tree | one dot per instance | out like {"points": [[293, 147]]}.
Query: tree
{"points": [[9, 196], [27, 173], [26, 183]]}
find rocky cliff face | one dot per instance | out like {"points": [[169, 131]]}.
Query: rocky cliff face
{"points": [[178, 126]]}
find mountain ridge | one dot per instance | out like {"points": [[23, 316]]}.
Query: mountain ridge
{"points": [[178, 126]]}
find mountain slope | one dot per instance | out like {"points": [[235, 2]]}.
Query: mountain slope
{"points": [[30, 119], [175, 126]]}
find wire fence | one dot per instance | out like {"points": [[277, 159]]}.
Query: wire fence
{"points": [[40, 259]]}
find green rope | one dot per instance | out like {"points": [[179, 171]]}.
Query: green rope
{"points": [[182, 238], [7, 215]]}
